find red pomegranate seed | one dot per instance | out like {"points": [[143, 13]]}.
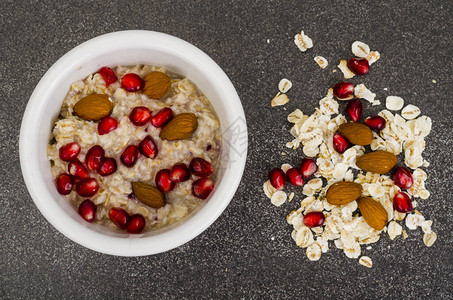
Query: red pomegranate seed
{"points": [[106, 125], [376, 122], [295, 177], [402, 203], [343, 90], [202, 187], [179, 173], [277, 178], [95, 157], [148, 147], [64, 183], [140, 115], [314, 219], [200, 167], [340, 143], [164, 182], [132, 82], [108, 167], [162, 117], [77, 169], [308, 167], [69, 151], [129, 156], [119, 216], [354, 110], [87, 187], [87, 210], [136, 224], [359, 66], [403, 177], [108, 75]]}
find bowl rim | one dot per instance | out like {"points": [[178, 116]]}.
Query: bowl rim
{"points": [[133, 245]]}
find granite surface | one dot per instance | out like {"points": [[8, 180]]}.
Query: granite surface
{"points": [[247, 252]]}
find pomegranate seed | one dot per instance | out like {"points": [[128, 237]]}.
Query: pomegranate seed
{"points": [[359, 66], [77, 169], [164, 182], [314, 219], [132, 82], [69, 151], [402, 177], [295, 177], [162, 117], [140, 115], [64, 183], [129, 156], [201, 167], [179, 173], [119, 216], [108, 75], [87, 187], [95, 157], [308, 167], [148, 147], [87, 210], [202, 187], [354, 109], [136, 224], [376, 122], [108, 167], [402, 203], [277, 178], [106, 125], [340, 143], [343, 90]]}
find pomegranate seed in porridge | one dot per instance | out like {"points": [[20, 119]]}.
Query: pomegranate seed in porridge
{"points": [[277, 178], [87, 187], [140, 115], [202, 187], [132, 82], [359, 66], [314, 219], [136, 224], [77, 169], [164, 182], [343, 90], [108, 75], [108, 167], [129, 156], [69, 151], [106, 125], [162, 117], [148, 147], [119, 216], [340, 143], [402, 177], [95, 157], [354, 110], [308, 167], [295, 177], [179, 173], [201, 167], [402, 203], [87, 210], [375, 123], [64, 184]]}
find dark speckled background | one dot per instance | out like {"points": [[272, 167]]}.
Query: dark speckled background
{"points": [[247, 252]]}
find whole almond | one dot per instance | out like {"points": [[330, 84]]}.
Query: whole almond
{"points": [[343, 192], [148, 194], [182, 126], [157, 85], [373, 212], [93, 107], [356, 133], [379, 162]]}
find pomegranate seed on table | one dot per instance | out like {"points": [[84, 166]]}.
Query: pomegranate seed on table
{"points": [[148, 147], [119, 216], [403, 177], [77, 169], [277, 178], [179, 173], [132, 82], [69, 151], [314, 219], [162, 117], [108, 75], [64, 184], [402, 203], [295, 177], [202, 187], [136, 224], [375, 123], [359, 66], [95, 157], [87, 210], [201, 167], [140, 115], [308, 167], [87, 187], [343, 90], [107, 125], [108, 167], [164, 182], [354, 110], [129, 156], [340, 143]]}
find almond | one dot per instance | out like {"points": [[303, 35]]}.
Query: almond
{"points": [[379, 162], [373, 212], [157, 85], [356, 133], [343, 192], [148, 194], [93, 107], [182, 126]]}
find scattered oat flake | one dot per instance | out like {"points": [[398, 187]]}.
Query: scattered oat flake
{"points": [[410, 112], [366, 261], [268, 189], [284, 85], [361, 91], [321, 61], [278, 198], [376, 102], [394, 229], [343, 66], [429, 238], [360, 49], [291, 196], [280, 99], [373, 57], [404, 234], [302, 41], [394, 103], [314, 252]]}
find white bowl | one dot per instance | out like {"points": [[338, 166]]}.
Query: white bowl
{"points": [[130, 48]]}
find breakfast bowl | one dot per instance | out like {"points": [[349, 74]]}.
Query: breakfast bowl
{"points": [[128, 48]]}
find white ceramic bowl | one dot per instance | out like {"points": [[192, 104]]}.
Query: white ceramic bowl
{"points": [[130, 48]]}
